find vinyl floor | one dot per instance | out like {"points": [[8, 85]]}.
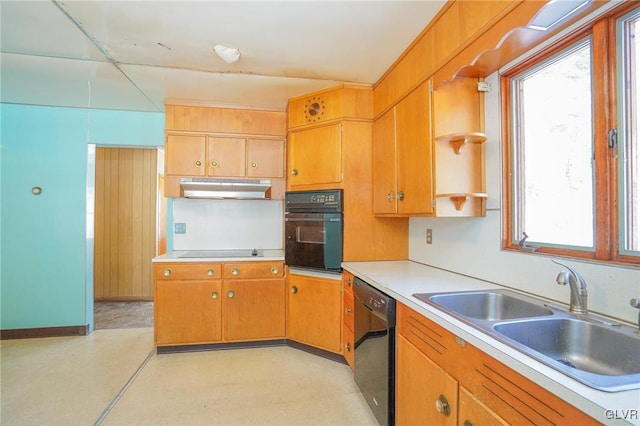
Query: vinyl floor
{"points": [[113, 376]]}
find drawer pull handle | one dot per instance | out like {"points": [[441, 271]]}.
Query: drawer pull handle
{"points": [[167, 272], [214, 294], [230, 294], [442, 405], [235, 271], [294, 289], [275, 270], [210, 272], [348, 346], [294, 172]]}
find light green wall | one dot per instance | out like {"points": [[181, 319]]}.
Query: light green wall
{"points": [[45, 280]]}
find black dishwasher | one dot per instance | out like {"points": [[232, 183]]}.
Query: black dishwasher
{"points": [[375, 320]]}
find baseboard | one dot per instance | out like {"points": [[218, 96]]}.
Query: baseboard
{"points": [[252, 344], [32, 333]]}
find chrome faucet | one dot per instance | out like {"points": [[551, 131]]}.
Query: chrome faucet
{"points": [[578, 286], [636, 304]]}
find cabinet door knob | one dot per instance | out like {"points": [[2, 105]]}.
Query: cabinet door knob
{"points": [[390, 196], [348, 310], [167, 272], [235, 271], [275, 270], [198, 163], [467, 423], [210, 272], [214, 164], [400, 196], [214, 294], [294, 289], [254, 165], [348, 346], [294, 172], [442, 405], [349, 282], [230, 294]]}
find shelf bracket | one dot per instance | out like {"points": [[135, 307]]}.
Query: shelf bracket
{"points": [[458, 201]]}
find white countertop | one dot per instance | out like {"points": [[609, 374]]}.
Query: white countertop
{"points": [[174, 256], [401, 279]]}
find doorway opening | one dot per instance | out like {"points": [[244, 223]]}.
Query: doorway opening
{"points": [[127, 230]]}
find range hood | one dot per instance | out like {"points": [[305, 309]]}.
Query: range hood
{"points": [[245, 189]]}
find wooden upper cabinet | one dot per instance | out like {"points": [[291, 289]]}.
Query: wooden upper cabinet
{"points": [[384, 164], [315, 156], [265, 158], [402, 142], [200, 155], [225, 120], [226, 157], [185, 155], [415, 152]]}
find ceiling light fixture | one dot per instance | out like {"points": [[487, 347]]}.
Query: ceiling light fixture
{"points": [[228, 54]]}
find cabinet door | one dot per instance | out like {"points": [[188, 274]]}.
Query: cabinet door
{"points": [[185, 155], [187, 312], [254, 309], [315, 156], [384, 164], [420, 383], [314, 312], [472, 412], [226, 157], [415, 152], [265, 158]]}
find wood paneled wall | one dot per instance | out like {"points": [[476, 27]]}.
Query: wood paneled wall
{"points": [[125, 223]]}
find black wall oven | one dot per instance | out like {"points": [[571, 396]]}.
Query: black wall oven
{"points": [[314, 230]]}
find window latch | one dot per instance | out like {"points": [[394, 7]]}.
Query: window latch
{"points": [[613, 138]]}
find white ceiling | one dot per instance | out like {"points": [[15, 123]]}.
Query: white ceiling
{"points": [[135, 55]]}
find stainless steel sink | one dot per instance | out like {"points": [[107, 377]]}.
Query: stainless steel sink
{"points": [[587, 348], [604, 356], [488, 305]]}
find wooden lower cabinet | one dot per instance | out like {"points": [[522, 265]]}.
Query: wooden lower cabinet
{"points": [[187, 312], [433, 365], [472, 412], [254, 309], [419, 384], [212, 302], [314, 311]]}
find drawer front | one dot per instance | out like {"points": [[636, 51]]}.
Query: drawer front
{"points": [[187, 271], [253, 270], [347, 281], [347, 313]]}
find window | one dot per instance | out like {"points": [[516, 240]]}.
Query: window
{"points": [[571, 152]]}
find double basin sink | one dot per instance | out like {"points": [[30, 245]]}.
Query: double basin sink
{"points": [[588, 348]]}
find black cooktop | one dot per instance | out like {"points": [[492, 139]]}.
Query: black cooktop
{"points": [[223, 253]]}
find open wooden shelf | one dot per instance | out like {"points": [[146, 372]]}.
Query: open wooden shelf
{"points": [[459, 199], [457, 140]]}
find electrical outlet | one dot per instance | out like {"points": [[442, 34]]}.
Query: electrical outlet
{"points": [[429, 236], [180, 228]]}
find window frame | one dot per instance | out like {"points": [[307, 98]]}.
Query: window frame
{"points": [[602, 32]]}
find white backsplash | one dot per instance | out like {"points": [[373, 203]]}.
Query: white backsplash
{"points": [[228, 224]]}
